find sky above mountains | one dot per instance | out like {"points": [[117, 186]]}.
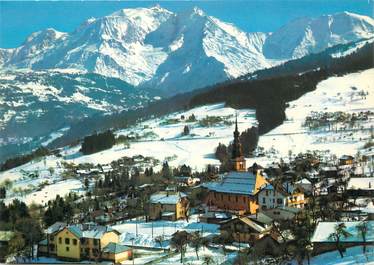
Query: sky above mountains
{"points": [[19, 19]]}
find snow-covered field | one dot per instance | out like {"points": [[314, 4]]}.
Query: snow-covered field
{"points": [[160, 228], [353, 256], [166, 140], [333, 94]]}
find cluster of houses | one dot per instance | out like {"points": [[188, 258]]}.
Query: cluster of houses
{"points": [[243, 202]]}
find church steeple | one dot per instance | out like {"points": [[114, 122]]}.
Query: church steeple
{"points": [[237, 158]]}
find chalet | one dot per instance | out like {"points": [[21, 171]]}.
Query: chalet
{"points": [[236, 191], [82, 242], [168, 205], [187, 181], [329, 172], [214, 217], [306, 185], [270, 197], [323, 241], [268, 245], [281, 196], [242, 229], [346, 160]]}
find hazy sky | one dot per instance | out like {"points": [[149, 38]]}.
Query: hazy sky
{"points": [[19, 19]]}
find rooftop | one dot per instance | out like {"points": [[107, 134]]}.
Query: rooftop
{"points": [[234, 182], [164, 197], [115, 248], [325, 229], [361, 183], [87, 230]]}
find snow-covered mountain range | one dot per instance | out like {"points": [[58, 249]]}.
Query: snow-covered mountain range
{"points": [[153, 47]]}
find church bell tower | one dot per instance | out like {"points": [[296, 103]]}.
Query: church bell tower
{"points": [[237, 158]]}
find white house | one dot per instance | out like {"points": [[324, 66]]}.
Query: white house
{"points": [[269, 197]]}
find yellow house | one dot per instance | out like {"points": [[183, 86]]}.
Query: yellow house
{"points": [[48, 246], [85, 241], [168, 205], [116, 253], [68, 243]]}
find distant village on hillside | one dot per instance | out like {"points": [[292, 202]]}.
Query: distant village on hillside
{"points": [[235, 214]]}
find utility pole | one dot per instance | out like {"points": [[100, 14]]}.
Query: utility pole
{"points": [[132, 252], [136, 226], [152, 229]]}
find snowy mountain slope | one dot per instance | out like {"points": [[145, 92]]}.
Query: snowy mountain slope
{"points": [[311, 35], [351, 93], [203, 51], [178, 51], [37, 103]]}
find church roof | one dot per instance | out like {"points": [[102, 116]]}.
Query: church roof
{"points": [[234, 182]]}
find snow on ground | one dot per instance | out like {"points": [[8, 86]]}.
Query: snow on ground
{"points": [[217, 256], [38, 181], [160, 228], [333, 94], [162, 140], [353, 256], [49, 192]]}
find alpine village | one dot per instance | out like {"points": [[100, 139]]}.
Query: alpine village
{"points": [[268, 165], [296, 209]]}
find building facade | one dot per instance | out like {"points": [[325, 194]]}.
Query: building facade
{"points": [[83, 242], [168, 205]]}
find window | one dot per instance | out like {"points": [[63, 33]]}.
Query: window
{"points": [[51, 247], [263, 200], [96, 242], [67, 241], [52, 238], [243, 199], [67, 249], [60, 240], [279, 201], [75, 242], [267, 193]]}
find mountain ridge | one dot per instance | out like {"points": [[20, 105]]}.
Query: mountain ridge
{"points": [[124, 45]]}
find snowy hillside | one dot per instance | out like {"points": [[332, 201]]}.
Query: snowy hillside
{"points": [[160, 138], [38, 103], [351, 94], [312, 35], [154, 47], [196, 149]]}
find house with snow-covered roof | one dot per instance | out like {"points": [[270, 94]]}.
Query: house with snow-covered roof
{"points": [[242, 229], [323, 240], [83, 241], [168, 205], [361, 186]]}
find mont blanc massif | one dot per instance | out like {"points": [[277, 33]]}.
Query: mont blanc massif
{"points": [[178, 138]]}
